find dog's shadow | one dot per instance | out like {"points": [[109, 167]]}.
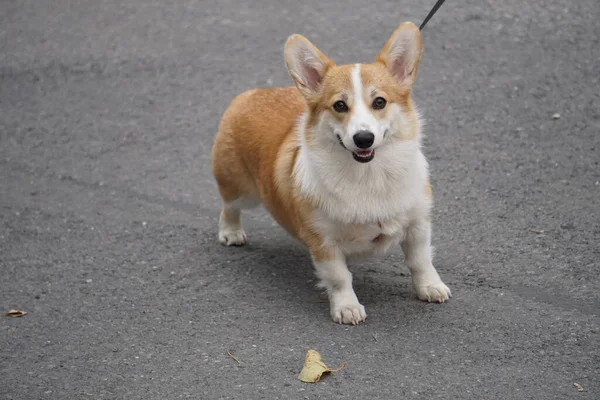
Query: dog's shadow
{"points": [[278, 264]]}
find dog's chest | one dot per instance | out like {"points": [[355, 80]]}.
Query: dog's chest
{"points": [[363, 238]]}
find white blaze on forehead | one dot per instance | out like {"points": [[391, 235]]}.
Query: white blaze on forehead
{"points": [[362, 118], [357, 82]]}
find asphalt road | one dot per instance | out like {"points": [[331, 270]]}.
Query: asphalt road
{"points": [[108, 208]]}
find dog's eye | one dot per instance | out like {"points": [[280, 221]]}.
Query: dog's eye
{"points": [[379, 103], [340, 107]]}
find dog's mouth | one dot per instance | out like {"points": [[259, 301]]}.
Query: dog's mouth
{"points": [[362, 156]]}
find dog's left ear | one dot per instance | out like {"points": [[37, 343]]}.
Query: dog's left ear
{"points": [[402, 53]]}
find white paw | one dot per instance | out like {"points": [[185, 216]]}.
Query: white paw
{"points": [[437, 292], [345, 308], [233, 238], [351, 314]]}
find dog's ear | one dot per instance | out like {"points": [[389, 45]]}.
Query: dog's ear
{"points": [[402, 53], [306, 64]]}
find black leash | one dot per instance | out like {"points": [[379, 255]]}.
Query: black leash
{"points": [[433, 11]]}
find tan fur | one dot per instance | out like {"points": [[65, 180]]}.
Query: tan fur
{"points": [[254, 154], [376, 75], [337, 78]]}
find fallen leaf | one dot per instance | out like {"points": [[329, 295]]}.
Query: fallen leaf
{"points": [[314, 367], [579, 387], [15, 313]]}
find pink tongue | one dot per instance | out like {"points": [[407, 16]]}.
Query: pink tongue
{"points": [[364, 153]]}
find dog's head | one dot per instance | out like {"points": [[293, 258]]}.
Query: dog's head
{"points": [[359, 105]]}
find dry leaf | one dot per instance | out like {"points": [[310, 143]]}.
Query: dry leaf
{"points": [[15, 313], [579, 387], [314, 367]]}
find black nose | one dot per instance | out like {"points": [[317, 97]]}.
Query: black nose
{"points": [[363, 139]]}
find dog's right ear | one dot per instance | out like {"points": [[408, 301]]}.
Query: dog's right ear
{"points": [[306, 64]]}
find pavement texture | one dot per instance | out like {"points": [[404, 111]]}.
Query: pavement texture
{"points": [[108, 210]]}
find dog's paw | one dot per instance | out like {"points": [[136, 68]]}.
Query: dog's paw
{"points": [[351, 314], [345, 308], [233, 238], [438, 292]]}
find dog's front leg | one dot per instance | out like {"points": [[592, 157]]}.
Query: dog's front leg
{"points": [[417, 253], [333, 274]]}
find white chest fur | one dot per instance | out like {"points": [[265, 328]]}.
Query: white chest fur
{"points": [[359, 238], [364, 208]]}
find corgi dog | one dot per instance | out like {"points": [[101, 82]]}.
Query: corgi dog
{"points": [[337, 162]]}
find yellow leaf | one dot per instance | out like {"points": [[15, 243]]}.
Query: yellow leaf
{"points": [[15, 313], [314, 367]]}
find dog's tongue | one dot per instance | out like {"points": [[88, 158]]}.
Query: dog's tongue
{"points": [[364, 153]]}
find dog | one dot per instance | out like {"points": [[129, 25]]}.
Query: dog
{"points": [[337, 162]]}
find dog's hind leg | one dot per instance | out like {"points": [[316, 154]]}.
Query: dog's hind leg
{"points": [[236, 187], [231, 232]]}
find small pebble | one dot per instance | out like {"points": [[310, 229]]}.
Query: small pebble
{"points": [[556, 116]]}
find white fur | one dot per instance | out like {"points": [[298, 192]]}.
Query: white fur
{"points": [[367, 208], [418, 254], [389, 187], [337, 280], [231, 233]]}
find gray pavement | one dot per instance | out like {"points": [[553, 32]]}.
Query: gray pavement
{"points": [[108, 208]]}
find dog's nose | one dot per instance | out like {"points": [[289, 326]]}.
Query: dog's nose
{"points": [[363, 139]]}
